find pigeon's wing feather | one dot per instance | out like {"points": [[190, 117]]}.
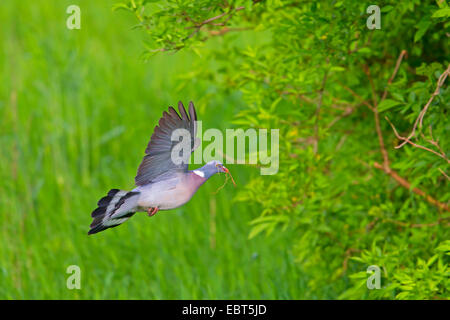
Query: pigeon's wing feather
{"points": [[157, 161]]}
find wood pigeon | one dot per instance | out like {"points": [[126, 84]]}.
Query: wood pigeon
{"points": [[161, 183]]}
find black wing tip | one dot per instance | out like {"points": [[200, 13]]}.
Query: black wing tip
{"points": [[97, 229], [182, 111], [101, 227], [98, 212], [192, 110], [103, 202], [112, 192], [190, 113], [173, 112]]}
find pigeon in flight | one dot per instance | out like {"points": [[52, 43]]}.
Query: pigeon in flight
{"points": [[162, 184]]}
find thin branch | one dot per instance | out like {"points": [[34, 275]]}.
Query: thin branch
{"points": [[442, 155], [225, 30], [403, 182], [348, 255], [377, 220], [434, 142], [376, 114], [198, 26], [377, 120], [385, 166], [417, 225], [419, 119], [397, 66], [348, 111], [319, 105], [372, 86], [299, 96], [381, 141], [353, 93], [444, 174]]}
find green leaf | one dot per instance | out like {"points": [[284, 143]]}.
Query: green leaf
{"points": [[441, 13], [387, 104], [423, 27], [258, 229], [337, 69], [432, 260], [387, 8], [118, 6]]}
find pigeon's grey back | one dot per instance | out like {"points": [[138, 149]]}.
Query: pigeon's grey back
{"points": [[157, 163]]}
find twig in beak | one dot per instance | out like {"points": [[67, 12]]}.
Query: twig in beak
{"points": [[228, 173], [228, 176]]}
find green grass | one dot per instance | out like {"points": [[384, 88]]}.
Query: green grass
{"points": [[76, 111]]}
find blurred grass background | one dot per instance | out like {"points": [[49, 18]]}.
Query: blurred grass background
{"points": [[77, 108]]}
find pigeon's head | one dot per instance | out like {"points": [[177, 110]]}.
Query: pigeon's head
{"points": [[215, 166], [220, 167], [210, 169]]}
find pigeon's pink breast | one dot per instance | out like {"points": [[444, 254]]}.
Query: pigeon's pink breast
{"points": [[169, 194]]}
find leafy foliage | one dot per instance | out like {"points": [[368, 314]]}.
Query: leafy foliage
{"points": [[332, 86]]}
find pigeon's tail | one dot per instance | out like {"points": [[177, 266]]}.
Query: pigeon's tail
{"points": [[114, 209]]}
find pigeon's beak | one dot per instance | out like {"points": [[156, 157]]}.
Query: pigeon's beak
{"points": [[222, 168], [227, 172]]}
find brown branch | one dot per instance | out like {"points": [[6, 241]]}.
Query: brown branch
{"points": [[348, 111], [198, 26], [348, 255], [372, 86], [357, 96], [444, 174], [385, 166], [299, 96], [380, 140], [434, 142], [375, 110], [419, 119], [319, 105], [403, 182], [397, 66], [377, 123], [225, 30], [377, 220], [305, 98], [417, 225], [442, 154], [207, 21]]}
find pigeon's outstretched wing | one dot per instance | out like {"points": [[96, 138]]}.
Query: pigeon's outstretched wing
{"points": [[158, 161]]}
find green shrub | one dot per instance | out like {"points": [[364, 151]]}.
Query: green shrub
{"points": [[314, 70]]}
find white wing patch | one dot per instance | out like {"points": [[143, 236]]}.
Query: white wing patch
{"points": [[199, 173]]}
